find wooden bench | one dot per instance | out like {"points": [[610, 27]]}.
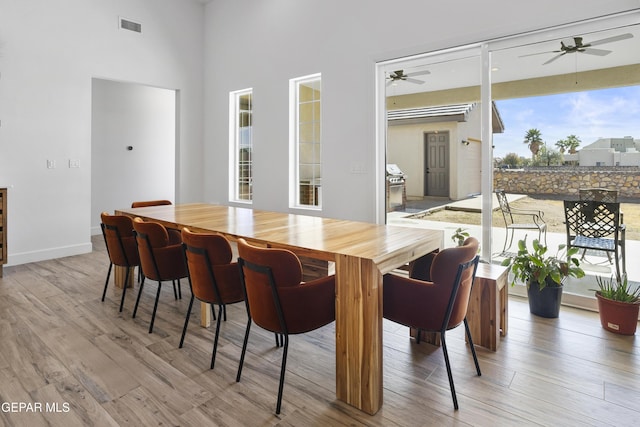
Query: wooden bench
{"points": [[488, 309]]}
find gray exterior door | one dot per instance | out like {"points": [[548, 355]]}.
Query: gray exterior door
{"points": [[436, 173]]}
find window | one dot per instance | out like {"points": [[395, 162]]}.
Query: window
{"points": [[305, 135], [241, 144]]}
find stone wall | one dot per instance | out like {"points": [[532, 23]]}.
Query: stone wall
{"points": [[565, 181]]}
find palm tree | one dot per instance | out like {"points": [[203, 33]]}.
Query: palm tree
{"points": [[570, 144], [533, 139]]}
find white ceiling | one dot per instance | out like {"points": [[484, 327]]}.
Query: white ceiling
{"points": [[510, 63]]}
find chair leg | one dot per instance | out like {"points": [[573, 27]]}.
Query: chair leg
{"points": [[106, 283], [279, 339], [510, 241], [244, 350], [186, 322], [175, 292], [215, 340], [283, 370], [155, 307], [124, 289], [473, 347], [135, 309], [179, 290], [446, 361], [617, 259]]}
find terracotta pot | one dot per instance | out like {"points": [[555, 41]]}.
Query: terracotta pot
{"points": [[618, 317], [545, 302]]}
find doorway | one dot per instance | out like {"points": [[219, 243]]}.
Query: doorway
{"points": [[133, 145], [436, 171]]}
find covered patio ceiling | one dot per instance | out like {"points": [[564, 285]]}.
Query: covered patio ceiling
{"points": [[531, 68]]}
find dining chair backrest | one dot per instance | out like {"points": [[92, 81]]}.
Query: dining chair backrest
{"points": [[118, 236], [160, 259], [503, 203], [592, 219], [146, 203], [215, 278], [598, 194]]}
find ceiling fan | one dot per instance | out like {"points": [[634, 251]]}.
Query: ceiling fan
{"points": [[575, 44], [399, 75]]}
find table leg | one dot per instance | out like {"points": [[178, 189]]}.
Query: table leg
{"points": [[359, 333], [205, 314], [120, 275]]}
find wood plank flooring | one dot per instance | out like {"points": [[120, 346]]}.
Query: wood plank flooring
{"points": [[71, 360]]}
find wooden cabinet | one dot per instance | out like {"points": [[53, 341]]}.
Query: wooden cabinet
{"points": [[3, 228]]}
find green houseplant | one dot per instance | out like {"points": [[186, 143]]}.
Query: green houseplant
{"points": [[618, 305], [543, 274], [459, 236]]}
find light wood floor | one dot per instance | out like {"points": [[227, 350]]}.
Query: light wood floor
{"points": [[62, 347]]}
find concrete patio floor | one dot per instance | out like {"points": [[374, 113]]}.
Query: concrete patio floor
{"points": [[577, 292]]}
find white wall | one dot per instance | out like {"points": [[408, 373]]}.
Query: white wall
{"points": [[51, 49], [49, 52], [137, 116], [264, 44]]}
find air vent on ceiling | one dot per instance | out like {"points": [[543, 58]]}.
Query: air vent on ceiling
{"points": [[127, 24]]}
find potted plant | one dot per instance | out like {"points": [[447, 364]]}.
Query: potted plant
{"points": [[543, 274], [618, 305], [459, 236]]}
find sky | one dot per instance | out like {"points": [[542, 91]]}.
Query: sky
{"points": [[590, 115]]}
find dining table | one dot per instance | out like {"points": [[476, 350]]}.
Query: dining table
{"points": [[362, 253]]}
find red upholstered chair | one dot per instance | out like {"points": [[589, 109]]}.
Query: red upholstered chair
{"points": [[213, 277], [117, 231], [161, 260], [277, 300], [439, 302]]}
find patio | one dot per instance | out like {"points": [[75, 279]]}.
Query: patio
{"points": [[577, 292]]}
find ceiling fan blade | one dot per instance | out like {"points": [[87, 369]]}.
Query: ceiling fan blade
{"points": [[598, 52], [419, 73], [416, 81], [554, 58], [538, 53], [610, 39]]}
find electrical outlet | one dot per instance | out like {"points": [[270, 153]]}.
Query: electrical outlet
{"points": [[51, 164], [74, 163]]}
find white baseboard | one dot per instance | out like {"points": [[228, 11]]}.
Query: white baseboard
{"points": [[46, 254]]}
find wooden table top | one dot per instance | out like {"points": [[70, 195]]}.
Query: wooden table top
{"points": [[317, 237]]}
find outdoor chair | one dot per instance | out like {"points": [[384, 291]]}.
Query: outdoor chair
{"points": [[439, 302], [595, 225], [598, 194], [519, 219]]}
